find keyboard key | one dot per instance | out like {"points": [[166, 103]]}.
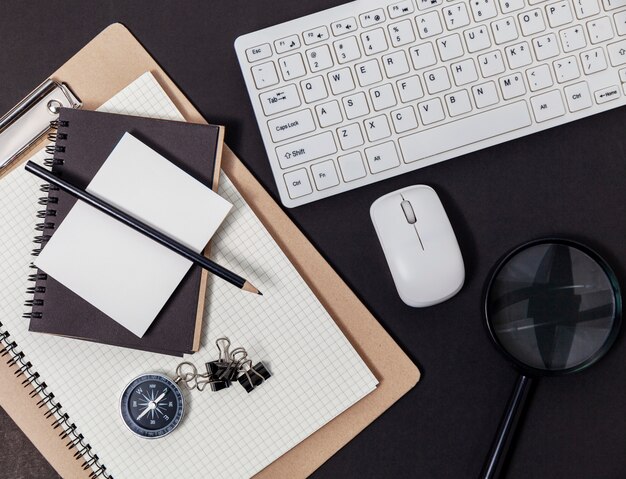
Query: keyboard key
{"points": [[426, 4], [578, 96], [347, 49], [464, 72], [620, 22], [374, 41], [566, 69], [396, 64], [458, 103], [307, 149], [485, 94], [314, 89], [355, 106], [456, 16], [291, 125], [622, 75], [287, 44], [531, 22], [504, 30], [377, 128], [593, 61], [423, 56], [508, 6], [573, 39], [350, 136], [328, 113], [617, 53], [466, 131], [450, 47], [491, 63], [344, 26], [325, 175], [368, 73], [539, 78], [437, 80], [600, 30], [372, 18], [512, 86], [613, 4], [264, 75], [586, 8], [341, 81], [279, 100], [548, 106], [298, 183], [401, 33], [410, 89], [546, 47], [559, 13], [292, 66], [477, 39], [352, 167], [382, 157], [316, 35], [428, 25], [259, 53], [400, 9], [431, 111], [518, 55], [404, 119], [319, 58], [383, 97], [607, 94], [483, 9]]}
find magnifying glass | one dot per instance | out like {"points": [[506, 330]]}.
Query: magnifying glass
{"points": [[552, 307]]}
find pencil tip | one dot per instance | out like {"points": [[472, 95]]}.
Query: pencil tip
{"points": [[260, 294]]}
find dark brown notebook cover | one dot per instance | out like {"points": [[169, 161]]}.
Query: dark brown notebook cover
{"points": [[84, 141]]}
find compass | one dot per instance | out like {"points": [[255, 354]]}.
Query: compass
{"points": [[152, 406]]}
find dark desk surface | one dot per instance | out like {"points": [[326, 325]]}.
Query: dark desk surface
{"points": [[567, 181]]}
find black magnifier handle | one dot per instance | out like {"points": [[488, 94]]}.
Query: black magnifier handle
{"points": [[514, 411]]}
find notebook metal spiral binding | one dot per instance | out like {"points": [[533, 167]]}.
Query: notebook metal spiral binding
{"points": [[52, 408], [46, 226]]}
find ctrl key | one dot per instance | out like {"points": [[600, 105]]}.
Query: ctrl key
{"points": [[298, 183]]}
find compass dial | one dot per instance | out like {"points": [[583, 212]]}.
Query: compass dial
{"points": [[152, 406]]}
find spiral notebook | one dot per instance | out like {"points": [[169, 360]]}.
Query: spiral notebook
{"points": [[120, 275], [316, 373]]}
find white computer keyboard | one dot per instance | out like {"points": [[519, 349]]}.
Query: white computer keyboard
{"points": [[369, 90]]}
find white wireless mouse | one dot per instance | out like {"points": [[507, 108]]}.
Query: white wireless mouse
{"points": [[419, 244]]}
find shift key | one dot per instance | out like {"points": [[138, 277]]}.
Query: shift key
{"points": [[305, 150], [280, 99]]}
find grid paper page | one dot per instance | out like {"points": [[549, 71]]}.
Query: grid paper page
{"points": [[316, 374]]}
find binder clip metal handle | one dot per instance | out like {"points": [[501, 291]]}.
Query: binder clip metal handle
{"points": [[27, 121]]}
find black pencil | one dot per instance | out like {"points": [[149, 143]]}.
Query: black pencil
{"points": [[142, 228]]}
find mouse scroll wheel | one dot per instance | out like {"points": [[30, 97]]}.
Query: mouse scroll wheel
{"points": [[408, 211]]}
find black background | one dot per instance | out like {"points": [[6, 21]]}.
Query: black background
{"points": [[567, 181]]}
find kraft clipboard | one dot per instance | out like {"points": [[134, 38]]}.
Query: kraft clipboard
{"points": [[103, 67]]}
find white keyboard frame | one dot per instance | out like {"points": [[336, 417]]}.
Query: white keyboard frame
{"points": [[604, 79]]}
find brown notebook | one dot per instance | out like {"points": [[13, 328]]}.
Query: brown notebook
{"points": [[84, 140]]}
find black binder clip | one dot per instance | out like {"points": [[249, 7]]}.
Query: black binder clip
{"points": [[253, 376], [217, 370], [213, 370]]}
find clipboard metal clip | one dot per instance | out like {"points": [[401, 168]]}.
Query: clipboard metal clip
{"points": [[27, 121]]}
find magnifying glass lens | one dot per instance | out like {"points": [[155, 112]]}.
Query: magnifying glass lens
{"points": [[552, 307]]}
